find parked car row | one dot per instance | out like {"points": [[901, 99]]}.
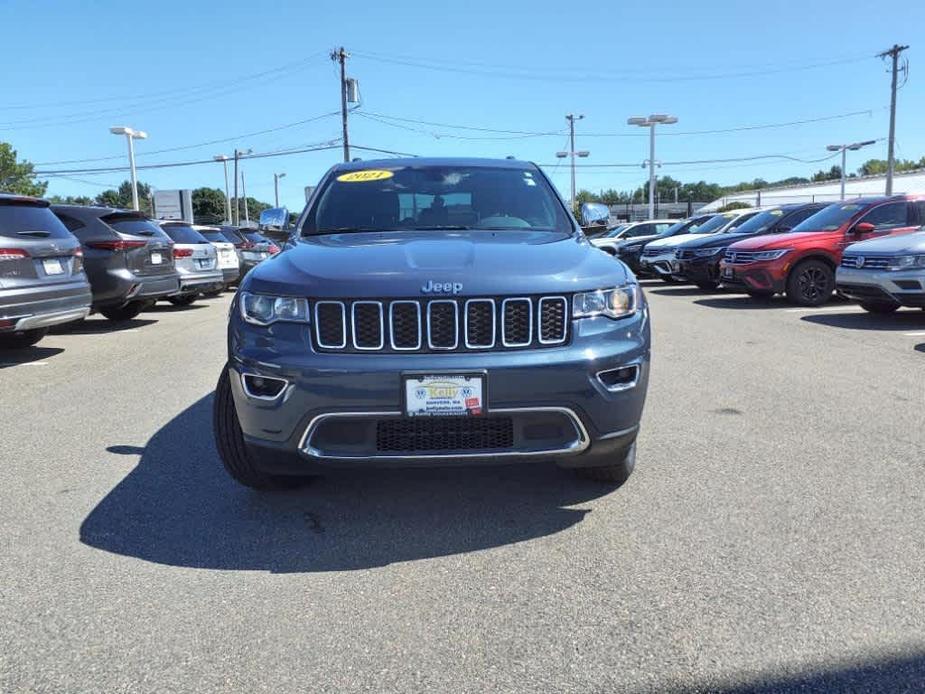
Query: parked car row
{"points": [[59, 263], [864, 249]]}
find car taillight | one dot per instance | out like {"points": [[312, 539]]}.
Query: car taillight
{"points": [[273, 249], [120, 245], [12, 253], [182, 252], [78, 260]]}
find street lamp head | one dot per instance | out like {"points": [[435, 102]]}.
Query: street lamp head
{"points": [[140, 135], [637, 120], [834, 148], [281, 175], [662, 118], [858, 145], [121, 130], [582, 153], [561, 155], [221, 157]]}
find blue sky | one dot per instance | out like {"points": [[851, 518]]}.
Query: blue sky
{"points": [[188, 73]]}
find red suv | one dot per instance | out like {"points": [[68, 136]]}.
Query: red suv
{"points": [[801, 263]]}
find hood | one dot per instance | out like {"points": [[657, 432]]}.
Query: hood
{"points": [[401, 263], [900, 244], [714, 240], [769, 242], [675, 241]]}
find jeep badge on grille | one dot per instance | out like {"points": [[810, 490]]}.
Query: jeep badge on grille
{"points": [[441, 287]]}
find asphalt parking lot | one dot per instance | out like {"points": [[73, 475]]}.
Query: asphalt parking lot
{"points": [[770, 539]]}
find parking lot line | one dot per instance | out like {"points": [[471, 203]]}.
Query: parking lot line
{"points": [[921, 333], [821, 309]]}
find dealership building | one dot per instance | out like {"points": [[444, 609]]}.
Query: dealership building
{"points": [[825, 191]]}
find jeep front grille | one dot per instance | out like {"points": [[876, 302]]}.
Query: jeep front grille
{"points": [[440, 325], [440, 434]]}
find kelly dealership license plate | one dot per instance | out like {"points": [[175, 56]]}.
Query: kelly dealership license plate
{"points": [[444, 395]]}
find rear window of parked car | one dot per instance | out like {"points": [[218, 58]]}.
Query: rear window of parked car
{"points": [[233, 236], [213, 235], [19, 217], [183, 233], [254, 237], [133, 224]]}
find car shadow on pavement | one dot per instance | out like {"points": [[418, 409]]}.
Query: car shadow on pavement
{"points": [[170, 308], [743, 301], [101, 326], [901, 320], [684, 290], [27, 355], [179, 507], [920, 347], [904, 673]]}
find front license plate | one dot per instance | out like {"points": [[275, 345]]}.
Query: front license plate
{"points": [[53, 266], [156, 259], [444, 395], [728, 273]]}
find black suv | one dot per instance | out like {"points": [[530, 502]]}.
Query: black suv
{"points": [[129, 259], [630, 251]]}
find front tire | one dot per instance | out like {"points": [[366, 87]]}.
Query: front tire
{"points": [[23, 338], [234, 452], [810, 283], [881, 307], [615, 474], [123, 313], [182, 300]]}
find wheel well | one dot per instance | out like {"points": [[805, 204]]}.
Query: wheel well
{"points": [[818, 256]]}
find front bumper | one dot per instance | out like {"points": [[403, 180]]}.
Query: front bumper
{"points": [[762, 276], [631, 259], [659, 265], [42, 306], [698, 269], [230, 275], [905, 287], [558, 407]]}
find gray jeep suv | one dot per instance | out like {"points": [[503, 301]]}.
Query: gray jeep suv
{"points": [[42, 281], [433, 312]]}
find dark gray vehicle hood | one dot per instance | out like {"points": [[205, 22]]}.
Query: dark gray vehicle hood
{"points": [[400, 263], [900, 244]]}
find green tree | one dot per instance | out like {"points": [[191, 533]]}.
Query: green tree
{"points": [[18, 176], [71, 200], [832, 174], [254, 208], [208, 206], [122, 198], [735, 205]]}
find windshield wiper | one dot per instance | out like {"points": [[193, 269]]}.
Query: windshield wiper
{"points": [[347, 230], [429, 227]]}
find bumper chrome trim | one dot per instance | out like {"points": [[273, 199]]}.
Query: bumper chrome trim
{"points": [[581, 442], [44, 320]]}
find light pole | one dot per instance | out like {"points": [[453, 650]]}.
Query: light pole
{"points": [[224, 159], [131, 135], [571, 118], [238, 153], [844, 148], [650, 123], [276, 178]]}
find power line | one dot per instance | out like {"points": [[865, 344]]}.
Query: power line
{"points": [[582, 75], [756, 157], [197, 145]]}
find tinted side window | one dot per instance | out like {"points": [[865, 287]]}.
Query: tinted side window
{"points": [[792, 220], [183, 233], [917, 212], [15, 218], [214, 236], [887, 216], [71, 223]]}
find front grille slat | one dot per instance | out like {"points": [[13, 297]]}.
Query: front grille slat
{"points": [[440, 434], [866, 262], [440, 325]]}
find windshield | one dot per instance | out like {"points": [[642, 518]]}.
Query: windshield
{"points": [[20, 219], [714, 224], [759, 223], [828, 218], [616, 231], [437, 197]]}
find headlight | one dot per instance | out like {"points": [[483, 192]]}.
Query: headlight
{"points": [[905, 262], [262, 309], [771, 255], [707, 252], [613, 303]]}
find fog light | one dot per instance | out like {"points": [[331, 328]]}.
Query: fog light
{"points": [[263, 387], [622, 378]]}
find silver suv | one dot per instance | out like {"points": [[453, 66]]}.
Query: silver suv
{"points": [[42, 281], [884, 274], [196, 261]]}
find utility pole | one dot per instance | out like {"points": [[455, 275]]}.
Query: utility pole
{"points": [[340, 56], [244, 193], [238, 153], [224, 159], [891, 160], [571, 118]]}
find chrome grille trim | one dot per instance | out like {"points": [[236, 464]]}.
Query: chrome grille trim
{"points": [[353, 325], [504, 304], [565, 321], [343, 319], [871, 262], [494, 323], [417, 308], [430, 305]]}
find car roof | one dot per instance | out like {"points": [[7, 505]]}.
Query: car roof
{"points": [[95, 210], [433, 161], [27, 199]]}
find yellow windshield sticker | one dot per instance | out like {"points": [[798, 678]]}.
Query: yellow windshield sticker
{"points": [[363, 176]]}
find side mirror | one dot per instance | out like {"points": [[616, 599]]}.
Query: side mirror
{"points": [[863, 228], [594, 213], [274, 218]]}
